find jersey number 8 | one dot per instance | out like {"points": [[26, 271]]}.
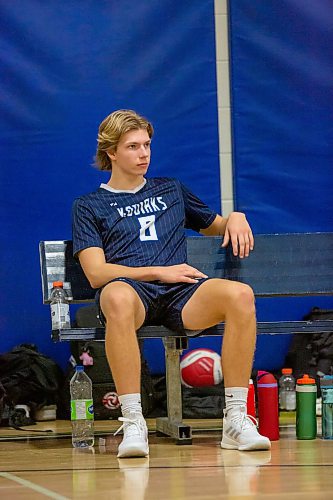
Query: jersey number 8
{"points": [[147, 229]]}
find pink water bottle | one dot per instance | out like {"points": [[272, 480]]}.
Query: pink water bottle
{"points": [[251, 400], [268, 405]]}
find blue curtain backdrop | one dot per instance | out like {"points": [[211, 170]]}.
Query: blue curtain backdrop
{"points": [[282, 100], [282, 109], [65, 66]]}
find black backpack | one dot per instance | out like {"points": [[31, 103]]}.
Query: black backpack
{"points": [[312, 353], [103, 386], [28, 377]]}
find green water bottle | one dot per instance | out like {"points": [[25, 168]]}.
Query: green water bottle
{"points": [[306, 420]]}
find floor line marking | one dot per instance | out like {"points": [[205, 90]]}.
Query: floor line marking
{"points": [[33, 486]]}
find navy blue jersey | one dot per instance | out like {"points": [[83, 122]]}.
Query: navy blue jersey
{"points": [[144, 227]]}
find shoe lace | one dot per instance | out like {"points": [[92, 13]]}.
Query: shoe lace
{"points": [[243, 420], [132, 425]]}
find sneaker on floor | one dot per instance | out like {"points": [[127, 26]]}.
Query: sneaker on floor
{"points": [[240, 433], [135, 440]]}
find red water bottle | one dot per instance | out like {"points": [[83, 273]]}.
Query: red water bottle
{"points": [[268, 405], [251, 400]]}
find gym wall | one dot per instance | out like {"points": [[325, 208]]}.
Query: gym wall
{"points": [[281, 128], [65, 66], [276, 133]]}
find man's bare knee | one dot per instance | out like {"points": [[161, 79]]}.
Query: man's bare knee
{"points": [[242, 299], [118, 301]]}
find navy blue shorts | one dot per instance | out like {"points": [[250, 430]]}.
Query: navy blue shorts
{"points": [[163, 302]]}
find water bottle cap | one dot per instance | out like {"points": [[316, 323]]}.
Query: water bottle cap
{"points": [[264, 377], [58, 284], [287, 371], [79, 368], [306, 380]]}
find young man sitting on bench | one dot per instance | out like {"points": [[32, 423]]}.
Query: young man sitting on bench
{"points": [[129, 236]]}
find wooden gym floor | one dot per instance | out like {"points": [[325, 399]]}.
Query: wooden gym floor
{"points": [[36, 467]]}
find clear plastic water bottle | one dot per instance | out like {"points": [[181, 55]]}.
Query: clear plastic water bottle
{"points": [[59, 307], [82, 409], [287, 390]]}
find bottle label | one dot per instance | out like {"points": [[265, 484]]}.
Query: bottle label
{"points": [[82, 409], [290, 400], [60, 316], [327, 395]]}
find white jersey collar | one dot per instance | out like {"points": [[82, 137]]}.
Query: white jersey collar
{"points": [[133, 191]]}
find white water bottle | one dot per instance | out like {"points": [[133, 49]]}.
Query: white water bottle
{"points": [[82, 409], [59, 307]]}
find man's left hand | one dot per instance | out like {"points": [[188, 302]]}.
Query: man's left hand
{"points": [[238, 231]]}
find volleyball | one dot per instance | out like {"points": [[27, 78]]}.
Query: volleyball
{"points": [[110, 401], [200, 368]]}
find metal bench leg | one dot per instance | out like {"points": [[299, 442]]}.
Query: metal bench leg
{"points": [[172, 425]]}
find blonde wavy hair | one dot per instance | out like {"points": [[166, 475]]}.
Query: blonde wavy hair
{"points": [[112, 128]]}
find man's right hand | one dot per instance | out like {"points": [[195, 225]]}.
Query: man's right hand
{"points": [[180, 273]]}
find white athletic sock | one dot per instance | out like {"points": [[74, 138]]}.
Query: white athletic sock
{"points": [[130, 403], [235, 398]]}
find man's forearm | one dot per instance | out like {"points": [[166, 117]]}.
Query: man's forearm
{"points": [[107, 272], [223, 224], [217, 228]]}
